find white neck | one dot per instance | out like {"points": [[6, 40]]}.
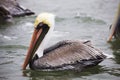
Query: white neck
{"points": [[43, 44], [50, 20]]}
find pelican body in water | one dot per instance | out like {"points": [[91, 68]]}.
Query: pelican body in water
{"points": [[65, 55]]}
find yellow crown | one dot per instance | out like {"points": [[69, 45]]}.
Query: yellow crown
{"points": [[46, 18]]}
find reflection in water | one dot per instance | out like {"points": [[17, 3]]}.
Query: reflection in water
{"points": [[62, 75], [115, 46]]}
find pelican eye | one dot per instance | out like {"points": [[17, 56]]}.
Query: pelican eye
{"points": [[41, 25]]}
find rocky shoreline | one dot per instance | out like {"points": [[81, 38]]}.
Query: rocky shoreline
{"points": [[11, 8]]}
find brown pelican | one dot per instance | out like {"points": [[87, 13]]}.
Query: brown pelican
{"points": [[67, 54]]}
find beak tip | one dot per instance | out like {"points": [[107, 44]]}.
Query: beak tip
{"points": [[108, 41], [23, 67]]}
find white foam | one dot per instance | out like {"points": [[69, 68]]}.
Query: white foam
{"points": [[28, 24], [9, 38], [109, 56]]}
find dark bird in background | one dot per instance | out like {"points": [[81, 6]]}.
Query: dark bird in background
{"points": [[115, 27]]}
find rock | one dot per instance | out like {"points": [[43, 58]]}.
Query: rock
{"points": [[10, 8]]}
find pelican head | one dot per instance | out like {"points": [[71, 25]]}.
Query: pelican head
{"points": [[43, 24]]}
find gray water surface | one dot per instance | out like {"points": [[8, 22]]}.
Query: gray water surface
{"points": [[75, 19]]}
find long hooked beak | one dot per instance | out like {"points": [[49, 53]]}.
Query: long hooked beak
{"points": [[31, 49], [37, 37], [114, 25]]}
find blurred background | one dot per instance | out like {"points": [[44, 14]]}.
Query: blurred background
{"points": [[75, 19]]}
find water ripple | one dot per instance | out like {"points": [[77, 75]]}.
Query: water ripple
{"points": [[7, 62], [89, 19], [60, 34], [13, 47]]}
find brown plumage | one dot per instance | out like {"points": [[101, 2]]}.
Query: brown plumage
{"points": [[68, 54]]}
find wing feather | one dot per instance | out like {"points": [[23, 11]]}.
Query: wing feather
{"points": [[67, 52]]}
